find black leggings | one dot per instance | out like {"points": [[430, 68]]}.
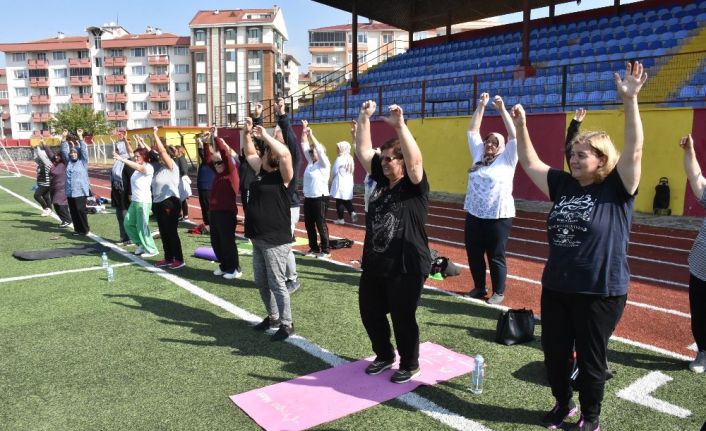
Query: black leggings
{"points": [[79, 214], [487, 237], [43, 196], [167, 213], [315, 219], [697, 304], [223, 240], [204, 196], [341, 204]]}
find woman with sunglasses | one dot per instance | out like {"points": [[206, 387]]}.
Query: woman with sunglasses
{"points": [[396, 259], [489, 204], [223, 209]]}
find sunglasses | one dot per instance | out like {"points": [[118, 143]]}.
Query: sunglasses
{"points": [[219, 162], [388, 159]]}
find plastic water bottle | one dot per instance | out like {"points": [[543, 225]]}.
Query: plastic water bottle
{"points": [[110, 273], [104, 260], [478, 375]]}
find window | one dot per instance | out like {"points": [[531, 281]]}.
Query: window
{"points": [[62, 106], [61, 91], [362, 37], [157, 50], [139, 70], [254, 35], [21, 74], [200, 36], [202, 118], [200, 77], [22, 92], [321, 59], [255, 96], [229, 35], [4, 94], [254, 77], [181, 86], [230, 76], [99, 62], [139, 88], [43, 91], [231, 97], [139, 124], [161, 70], [387, 38], [139, 106], [99, 80], [230, 55], [19, 56], [22, 109], [97, 42], [181, 50], [113, 71], [183, 105], [138, 52], [163, 88], [163, 106], [41, 56], [80, 71], [83, 54], [181, 68], [59, 55], [183, 121], [60, 73], [200, 56], [113, 53], [201, 98], [24, 127]]}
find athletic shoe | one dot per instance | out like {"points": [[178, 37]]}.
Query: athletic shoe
{"points": [[139, 250], [477, 293], [339, 221], [292, 286], [125, 243], [46, 212], [555, 417], [267, 324], [148, 254], [176, 264], [65, 224], [378, 366], [585, 425], [354, 217], [283, 332], [698, 364], [218, 271], [163, 263], [324, 255], [496, 299], [403, 376], [232, 275], [312, 253]]}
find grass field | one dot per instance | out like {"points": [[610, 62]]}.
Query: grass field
{"points": [[156, 352]]}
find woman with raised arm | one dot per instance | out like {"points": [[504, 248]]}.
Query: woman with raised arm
{"points": [[697, 258], [137, 218], [57, 181], [585, 280], [167, 206], [396, 259], [342, 182], [316, 193], [489, 204], [120, 184], [42, 194], [75, 152], [267, 224]]}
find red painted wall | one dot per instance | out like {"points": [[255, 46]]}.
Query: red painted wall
{"points": [[691, 205]]}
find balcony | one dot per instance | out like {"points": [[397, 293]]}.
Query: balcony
{"points": [[37, 64], [158, 60], [116, 115], [160, 115], [40, 100], [86, 99], [5, 116], [79, 62], [39, 82], [40, 117], [114, 61], [159, 96], [158, 78], [42, 134], [115, 80], [116, 97], [80, 81]]}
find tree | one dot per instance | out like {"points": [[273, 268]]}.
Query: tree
{"points": [[80, 117]]}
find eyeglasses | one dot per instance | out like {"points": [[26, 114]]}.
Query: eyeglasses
{"points": [[388, 159], [218, 162], [491, 143]]}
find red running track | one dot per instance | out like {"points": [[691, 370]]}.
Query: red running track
{"points": [[657, 313]]}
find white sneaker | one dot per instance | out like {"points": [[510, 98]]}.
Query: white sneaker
{"points": [[139, 250], [147, 254], [218, 271], [354, 217], [46, 212], [339, 221], [699, 364], [234, 274]]}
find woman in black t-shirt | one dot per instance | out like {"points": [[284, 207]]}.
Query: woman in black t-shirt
{"points": [[396, 258], [585, 280]]}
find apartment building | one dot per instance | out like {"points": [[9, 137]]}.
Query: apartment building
{"points": [[5, 130], [137, 80], [238, 58], [291, 78]]}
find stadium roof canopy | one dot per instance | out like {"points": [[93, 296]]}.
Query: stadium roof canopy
{"points": [[419, 15]]}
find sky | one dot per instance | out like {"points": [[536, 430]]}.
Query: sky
{"points": [[44, 18]]}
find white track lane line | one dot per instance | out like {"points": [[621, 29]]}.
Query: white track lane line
{"points": [[51, 274], [415, 401]]}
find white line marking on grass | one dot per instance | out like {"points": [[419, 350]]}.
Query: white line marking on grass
{"points": [[50, 274], [639, 393]]}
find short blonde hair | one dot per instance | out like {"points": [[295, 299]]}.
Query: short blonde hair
{"points": [[603, 148]]}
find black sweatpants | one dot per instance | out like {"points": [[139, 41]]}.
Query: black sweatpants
{"points": [[79, 214], [120, 215], [315, 219], [167, 213], [487, 237], [342, 204], [398, 295], [204, 196], [223, 240], [42, 195], [63, 212], [697, 305], [586, 321]]}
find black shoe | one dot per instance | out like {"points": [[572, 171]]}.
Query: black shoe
{"points": [[266, 324], [477, 293], [585, 425], [555, 417], [283, 333], [293, 286], [378, 366], [403, 376]]}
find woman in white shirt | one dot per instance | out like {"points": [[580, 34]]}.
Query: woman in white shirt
{"points": [[342, 184], [489, 204], [316, 193]]}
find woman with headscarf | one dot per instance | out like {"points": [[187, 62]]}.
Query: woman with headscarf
{"points": [[120, 185], [342, 183], [75, 152], [57, 182], [489, 204]]}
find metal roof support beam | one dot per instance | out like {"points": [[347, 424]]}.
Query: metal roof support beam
{"points": [[526, 17], [354, 21]]}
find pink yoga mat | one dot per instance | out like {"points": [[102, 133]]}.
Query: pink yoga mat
{"points": [[330, 394]]}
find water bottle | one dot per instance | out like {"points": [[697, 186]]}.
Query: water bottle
{"points": [[110, 273], [478, 375], [104, 260]]}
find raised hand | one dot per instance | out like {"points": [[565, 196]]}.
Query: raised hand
{"points": [[686, 142], [395, 117], [353, 126], [64, 134], [484, 97], [519, 118], [579, 114], [279, 106], [635, 77], [155, 129], [117, 156], [79, 132], [248, 125], [498, 103], [305, 128], [367, 109], [259, 132]]}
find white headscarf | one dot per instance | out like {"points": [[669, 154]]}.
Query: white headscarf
{"points": [[344, 150]]}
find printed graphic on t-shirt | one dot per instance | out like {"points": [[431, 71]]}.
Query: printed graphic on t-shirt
{"points": [[386, 218], [570, 219]]}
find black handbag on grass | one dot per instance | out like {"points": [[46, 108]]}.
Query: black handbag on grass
{"points": [[515, 326]]}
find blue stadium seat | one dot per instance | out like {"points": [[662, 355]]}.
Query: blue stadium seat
{"points": [[688, 23], [687, 92], [578, 98]]}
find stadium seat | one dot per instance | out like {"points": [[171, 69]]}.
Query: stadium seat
{"points": [[687, 92]]}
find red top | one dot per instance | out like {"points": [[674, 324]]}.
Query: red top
{"points": [[227, 183]]}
